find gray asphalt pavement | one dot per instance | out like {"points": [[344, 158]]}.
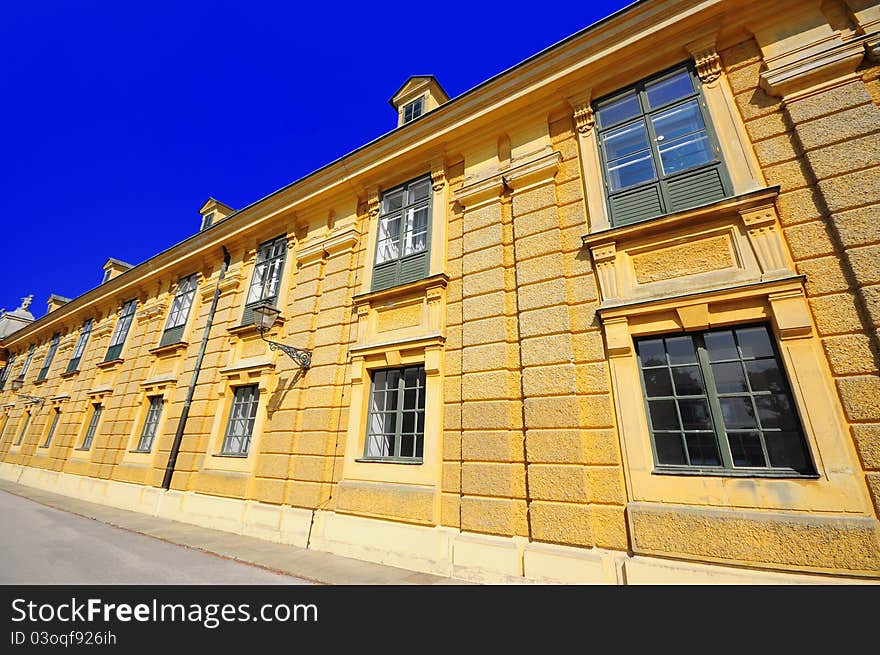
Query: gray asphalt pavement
{"points": [[43, 545]]}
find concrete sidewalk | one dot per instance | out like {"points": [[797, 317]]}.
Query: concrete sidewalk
{"points": [[317, 566]]}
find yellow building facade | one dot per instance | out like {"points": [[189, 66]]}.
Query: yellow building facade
{"points": [[610, 317]]}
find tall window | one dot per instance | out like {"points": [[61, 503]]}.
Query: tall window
{"points": [[97, 409], [242, 415], [50, 355], [207, 220], [5, 423], [121, 331], [5, 372], [658, 148], [27, 363], [56, 413], [177, 317], [267, 275], [80, 347], [402, 238], [720, 401], [396, 421], [413, 110], [148, 433], [24, 428]]}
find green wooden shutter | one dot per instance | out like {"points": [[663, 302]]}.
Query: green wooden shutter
{"points": [[172, 335], [636, 205], [700, 187], [413, 268], [113, 352], [385, 275]]}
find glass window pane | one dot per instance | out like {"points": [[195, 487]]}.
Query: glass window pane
{"points": [[411, 377], [652, 352], [409, 422], [620, 109], [746, 449], [681, 350], [764, 375], [409, 399], [669, 89], [407, 446], [695, 414], [729, 377], [786, 449], [688, 381], [419, 443], [676, 122], [775, 411], [663, 416], [670, 449], [657, 382], [631, 170], [754, 342], [419, 191], [393, 201], [720, 345], [702, 449], [737, 413], [684, 153], [625, 140]]}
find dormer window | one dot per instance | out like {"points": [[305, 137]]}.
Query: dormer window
{"points": [[207, 220], [413, 110]]}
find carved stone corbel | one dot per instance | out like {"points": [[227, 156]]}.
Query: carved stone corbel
{"points": [[762, 227], [706, 58], [584, 118], [438, 175], [605, 258]]}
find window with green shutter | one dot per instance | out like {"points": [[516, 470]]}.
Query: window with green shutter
{"points": [[659, 151], [50, 355], [4, 374], [719, 402], [148, 432], [242, 416], [396, 420], [180, 307], [121, 331], [97, 409], [266, 280], [56, 414], [403, 235], [80, 347]]}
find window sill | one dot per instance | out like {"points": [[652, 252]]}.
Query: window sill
{"points": [[110, 363], [737, 473], [170, 349], [725, 206], [70, 374], [140, 452], [389, 460], [440, 279], [83, 450], [40, 381], [231, 455]]}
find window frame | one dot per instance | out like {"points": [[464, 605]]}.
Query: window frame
{"points": [[712, 395], [4, 374], [151, 424], [27, 362], [183, 296], [81, 342], [661, 180], [120, 332], [251, 420], [421, 102], [24, 428], [398, 262], [400, 409], [92, 429], [247, 316], [50, 355], [53, 425]]}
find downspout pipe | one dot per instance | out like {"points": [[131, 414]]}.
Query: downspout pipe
{"points": [[181, 425]]}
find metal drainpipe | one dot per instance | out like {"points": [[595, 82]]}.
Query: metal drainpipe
{"points": [[178, 436]]}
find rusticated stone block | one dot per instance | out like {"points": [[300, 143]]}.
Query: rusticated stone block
{"points": [[824, 275], [789, 539], [836, 314], [504, 480], [860, 397], [493, 446], [559, 482], [503, 516], [561, 523], [867, 438], [849, 354]]}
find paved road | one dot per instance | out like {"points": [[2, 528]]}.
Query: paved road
{"points": [[42, 545]]}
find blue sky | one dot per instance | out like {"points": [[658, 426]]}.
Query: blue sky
{"points": [[120, 119]]}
